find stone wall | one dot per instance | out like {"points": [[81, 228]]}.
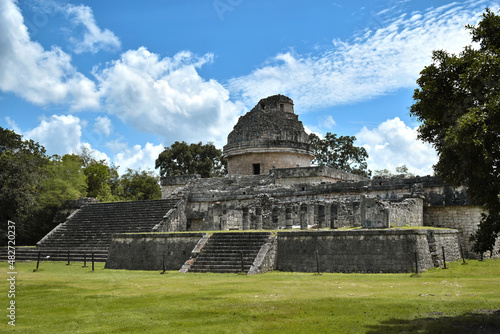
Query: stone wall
{"points": [[145, 251], [265, 212], [409, 212], [439, 239], [373, 251], [266, 258], [463, 218], [316, 174], [169, 184], [174, 220], [362, 251], [267, 160], [434, 191]]}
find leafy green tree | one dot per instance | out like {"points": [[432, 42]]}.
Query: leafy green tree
{"points": [[340, 153], [183, 159], [65, 181], [401, 170], [22, 171], [458, 103], [101, 180], [139, 185]]}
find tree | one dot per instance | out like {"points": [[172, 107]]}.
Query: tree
{"points": [[101, 181], [339, 153], [22, 171], [401, 170], [183, 159], [458, 103], [139, 185], [65, 181]]}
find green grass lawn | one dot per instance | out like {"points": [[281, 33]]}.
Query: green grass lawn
{"points": [[72, 299]]}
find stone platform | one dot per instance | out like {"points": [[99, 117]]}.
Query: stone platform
{"points": [[360, 251]]}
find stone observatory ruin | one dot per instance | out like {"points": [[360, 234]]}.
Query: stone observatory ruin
{"points": [[269, 136], [274, 211]]}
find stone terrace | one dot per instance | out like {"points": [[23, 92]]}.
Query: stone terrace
{"points": [[90, 228]]}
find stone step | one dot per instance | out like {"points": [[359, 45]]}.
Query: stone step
{"points": [[221, 268], [240, 244], [237, 259], [95, 224], [222, 252], [216, 256], [237, 241], [240, 235], [232, 250]]}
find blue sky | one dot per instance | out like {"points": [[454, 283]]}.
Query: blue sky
{"points": [[126, 78]]}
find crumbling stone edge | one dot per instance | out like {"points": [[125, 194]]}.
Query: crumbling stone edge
{"points": [[266, 258], [194, 253]]}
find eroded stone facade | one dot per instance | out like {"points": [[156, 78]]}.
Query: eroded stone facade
{"points": [[269, 136]]}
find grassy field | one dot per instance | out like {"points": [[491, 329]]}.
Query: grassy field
{"points": [[72, 299]]}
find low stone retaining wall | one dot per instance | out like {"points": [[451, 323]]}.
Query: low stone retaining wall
{"points": [[363, 251], [144, 251]]}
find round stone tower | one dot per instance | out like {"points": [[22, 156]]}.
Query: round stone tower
{"points": [[268, 136]]}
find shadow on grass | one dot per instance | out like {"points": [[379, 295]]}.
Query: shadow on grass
{"points": [[484, 321]]}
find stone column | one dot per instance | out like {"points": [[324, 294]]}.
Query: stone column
{"points": [[311, 208], [321, 215], [296, 214], [258, 218], [246, 222], [304, 217], [288, 218], [282, 218], [333, 215], [327, 215], [275, 218]]}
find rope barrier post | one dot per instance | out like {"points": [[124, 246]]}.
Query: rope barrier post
{"points": [[416, 263], [37, 262], [444, 258], [462, 254], [163, 264]]}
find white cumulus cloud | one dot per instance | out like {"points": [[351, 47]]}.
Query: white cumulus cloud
{"points": [[393, 144], [103, 125], [137, 157], [94, 38], [167, 96], [59, 134], [35, 74]]}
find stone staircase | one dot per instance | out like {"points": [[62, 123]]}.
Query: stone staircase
{"points": [[90, 229], [229, 252]]}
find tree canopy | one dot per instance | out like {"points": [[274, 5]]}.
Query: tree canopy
{"points": [[139, 185], [183, 159], [22, 171], [400, 171], [458, 103], [340, 153]]}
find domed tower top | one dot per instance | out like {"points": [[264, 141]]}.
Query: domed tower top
{"points": [[269, 136], [276, 103]]}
